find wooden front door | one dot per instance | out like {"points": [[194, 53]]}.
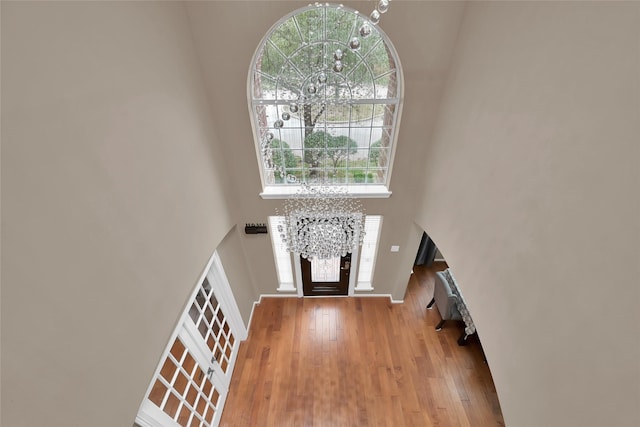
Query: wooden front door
{"points": [[325, 276]]}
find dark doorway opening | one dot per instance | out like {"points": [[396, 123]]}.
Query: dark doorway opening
{"points": [[426, 251], [325, 277]]}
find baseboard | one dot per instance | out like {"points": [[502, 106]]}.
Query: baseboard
{"points": [[379, 296], [253, 307], [283, 295], [290, 295]]}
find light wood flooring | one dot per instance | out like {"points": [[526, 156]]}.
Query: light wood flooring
{"points": [[359, 362]]}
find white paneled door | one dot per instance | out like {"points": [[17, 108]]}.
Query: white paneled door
{"points": [[190, 386]]}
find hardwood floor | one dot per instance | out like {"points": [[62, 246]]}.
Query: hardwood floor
{"points": [[359, 362]]}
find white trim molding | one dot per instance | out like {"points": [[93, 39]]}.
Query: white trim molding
{"points": [[369, 191]]}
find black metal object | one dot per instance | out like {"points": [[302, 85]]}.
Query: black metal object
{"points": [[255, 229], [426, 251]]}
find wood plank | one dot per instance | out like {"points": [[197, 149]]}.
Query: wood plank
{"points": [[359, 362]]}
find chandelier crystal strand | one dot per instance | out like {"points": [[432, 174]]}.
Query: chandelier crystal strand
{"points": [[382, 6], [322, 222]]}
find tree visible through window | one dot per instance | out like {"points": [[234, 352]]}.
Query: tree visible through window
{"points": [[325, 94]]}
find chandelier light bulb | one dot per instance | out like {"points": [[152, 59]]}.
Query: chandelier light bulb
{"points": [[293, 108], [375, 17], [337, 55], [312, 88], [278, 124], [354, 43], [365, 30], [337, 67], [286, 116], [383, 6]]}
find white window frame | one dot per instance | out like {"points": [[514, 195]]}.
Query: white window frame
{"points": [[288, 265], [281, 256], [272, 190], [369, 249]]}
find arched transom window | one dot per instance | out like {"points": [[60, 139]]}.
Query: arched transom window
{"points": [[325, 92]]}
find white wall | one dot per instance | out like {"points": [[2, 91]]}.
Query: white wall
{"points": [[532, 194], [112, 203]]}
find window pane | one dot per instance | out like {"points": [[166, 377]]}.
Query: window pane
{"points": [[325, 270], [157, 393], [281, 254], [368, 251], [303, 100]]}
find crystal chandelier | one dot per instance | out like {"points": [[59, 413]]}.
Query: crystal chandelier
{"points": [[322, 222]]}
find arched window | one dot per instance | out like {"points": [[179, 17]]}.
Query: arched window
{"points": [[325, 93]]}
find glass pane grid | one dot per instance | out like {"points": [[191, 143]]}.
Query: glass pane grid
{"points": [[280, 252], [369, 247], [329, 159], [182, 389], [186, 398], [363, 96]]}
